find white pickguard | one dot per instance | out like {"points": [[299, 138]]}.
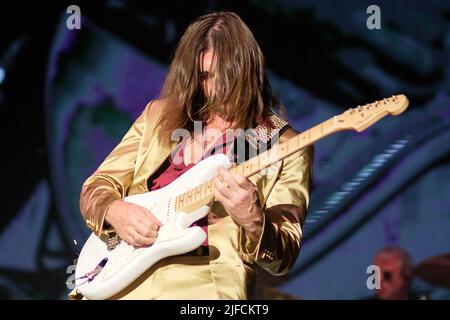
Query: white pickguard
{"points": [[125, 263]]}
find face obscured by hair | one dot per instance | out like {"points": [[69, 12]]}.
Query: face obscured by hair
{"points": [[217, 69]]}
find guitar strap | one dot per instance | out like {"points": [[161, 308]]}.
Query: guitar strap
{"points": [[258, 139], [249, 143]]}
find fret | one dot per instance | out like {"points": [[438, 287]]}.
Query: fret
{"points": [[180, 201], [234, 170], [198, 190], [241, 169], [189, 195], [209, 187], [273, 154], [328, 126], [263, 159], [284, 149], [312, 133], [294, 143], [177, 203], [247, 167], [184, 199], [203, 189], [317, 132], [269, 157], [255, 165], [304, 138], [193, 195]]}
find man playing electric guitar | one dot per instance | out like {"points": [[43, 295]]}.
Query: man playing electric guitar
{"points": [[216, 78]]}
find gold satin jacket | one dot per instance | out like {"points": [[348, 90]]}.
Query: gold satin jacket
{"points": [[229, 270]]}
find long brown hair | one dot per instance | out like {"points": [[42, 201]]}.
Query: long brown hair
{"points": [[242, 95]]}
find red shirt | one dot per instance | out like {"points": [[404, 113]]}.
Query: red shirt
{"points": [[170, 171]]}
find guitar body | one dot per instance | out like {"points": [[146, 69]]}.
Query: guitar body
{"points": [[125, 263]]}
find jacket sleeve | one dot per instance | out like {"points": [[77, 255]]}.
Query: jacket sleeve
{"points": [[284, 213], [112, 178]]}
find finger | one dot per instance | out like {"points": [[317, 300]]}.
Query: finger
{"points": [[153, 218], [141, 240], [248, 186], [148, 219], [150, 215], [140, 228], [228, 179], [144, 224], [146, 231], [223, 199], [130, 238], [244, 183], [151, 233], [143, 220], [220, 187]]}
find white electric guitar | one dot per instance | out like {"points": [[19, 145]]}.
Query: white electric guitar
{"points": [[101, 273]]}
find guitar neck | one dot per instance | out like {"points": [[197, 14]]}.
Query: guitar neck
{"points": [[204, 193], [285, 149], [357, 119]]}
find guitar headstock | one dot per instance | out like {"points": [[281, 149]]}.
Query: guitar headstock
{"points": [[364, 116]]}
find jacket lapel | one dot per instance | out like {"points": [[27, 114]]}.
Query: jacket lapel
{"points": [[152, 154]]}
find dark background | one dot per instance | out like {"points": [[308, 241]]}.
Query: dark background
{"points": [[68, 96]]}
